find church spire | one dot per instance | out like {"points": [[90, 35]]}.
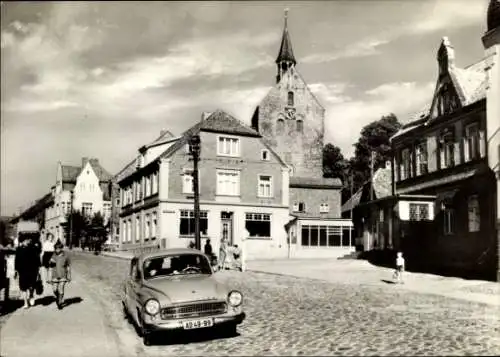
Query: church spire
{"points": [[285, 59]]}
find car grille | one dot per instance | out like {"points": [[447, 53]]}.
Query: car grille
{"points": [[194, 310]]}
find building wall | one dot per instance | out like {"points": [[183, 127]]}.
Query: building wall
{"points": [[313, 198], [269, 247], [303, 151], [249, 164]]}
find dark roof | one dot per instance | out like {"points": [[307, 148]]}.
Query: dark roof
{"points": [[382, 187], [286, 52], [70, 173], [493, 17], [219, 122], [313, 182]]}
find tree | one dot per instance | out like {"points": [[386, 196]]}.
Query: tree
{"points": [[97, 231], [373, 137], [334, 163], [79, 228]]}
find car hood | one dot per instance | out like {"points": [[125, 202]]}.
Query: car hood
{"points": [[186, 288]]}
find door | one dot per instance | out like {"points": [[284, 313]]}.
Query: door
{"points": [[227, 227]]}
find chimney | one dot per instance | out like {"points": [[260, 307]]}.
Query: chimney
{"points": [[84, 161], [388, 165], [94, 161], [205, 115]]}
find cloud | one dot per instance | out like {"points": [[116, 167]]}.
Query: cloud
{"points": [[400, 98], [331, 93], [17, 106], [366, 47]]}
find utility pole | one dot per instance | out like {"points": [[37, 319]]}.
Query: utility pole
{"points": [[195, 149], [351, 179], [372, 159], [70, 219]]}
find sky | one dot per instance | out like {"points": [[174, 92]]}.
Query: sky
{"points": [[100, 79]]}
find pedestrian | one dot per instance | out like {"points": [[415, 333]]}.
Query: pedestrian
{"points": [[47, 252], [191, 245], [27, 265], [208, 248], [61, 273], [223, 253], [400, 267]]}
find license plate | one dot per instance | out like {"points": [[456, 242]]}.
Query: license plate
{"points": [[192, 324]]}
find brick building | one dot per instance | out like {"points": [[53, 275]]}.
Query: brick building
{"points": [[450, 151], [292, 122], [243, 186]]}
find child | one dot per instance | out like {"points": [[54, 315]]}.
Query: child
{"points": [[61, 273], [400, 267]]}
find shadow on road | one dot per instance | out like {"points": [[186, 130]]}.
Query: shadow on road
{"points": [[184, 338], [388, 281], [73, 300], [10, 306], [45, 301]]}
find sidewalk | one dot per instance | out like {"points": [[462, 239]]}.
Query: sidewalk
{"points": [[77, 330], [357, 271]]}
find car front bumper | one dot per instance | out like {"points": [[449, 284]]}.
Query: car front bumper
{"points": [[178, 324]]}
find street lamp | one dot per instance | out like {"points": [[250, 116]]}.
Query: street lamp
{"points": [[70, 243], [194, 150]]}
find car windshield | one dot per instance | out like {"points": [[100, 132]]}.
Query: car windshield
{"points": [[171, 265]]}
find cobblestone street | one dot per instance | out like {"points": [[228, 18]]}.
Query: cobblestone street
{"points": [[297, 316]]}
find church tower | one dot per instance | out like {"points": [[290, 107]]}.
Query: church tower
{"points": [[290, 118]]}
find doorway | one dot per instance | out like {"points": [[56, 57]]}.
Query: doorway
{"points": [[226, 219]]}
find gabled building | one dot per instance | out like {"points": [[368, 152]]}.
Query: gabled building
{"points": [[291, 120], [243, 188], [448, 151], [85, 188]]}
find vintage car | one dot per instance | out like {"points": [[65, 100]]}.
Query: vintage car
{"points": [[175, 289]]}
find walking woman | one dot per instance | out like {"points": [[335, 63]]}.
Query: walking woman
{"points": [[61, 272], [27, 265], [47, 252], [222, 253]]}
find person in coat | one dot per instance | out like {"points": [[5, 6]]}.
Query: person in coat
{"points": [[27, 264]]}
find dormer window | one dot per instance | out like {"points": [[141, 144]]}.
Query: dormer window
{"points": [[302, 207], [264, 155]]}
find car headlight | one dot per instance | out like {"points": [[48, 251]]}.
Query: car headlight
{"points": [[235, 298], [152, 307]]}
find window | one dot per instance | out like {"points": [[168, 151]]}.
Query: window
{"points": [[300, 126], [264, 155], [280, 127], [302, 207], [447, 100], [186, 227], [406, 164], [265, 186], [153, 226], [87, 209], [290, 99], [137, 228], [448, 221], [147, 188], [154, 185], [421, 152], [228, 146], [187, 182], [138, 190], [117, 200], [147, 228], [447, 150], [228, 182], [419, 211], [471, 142], [324, 208], [129, 230], [323, 236], [474, 216], [381, 215], [258, 225]]}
